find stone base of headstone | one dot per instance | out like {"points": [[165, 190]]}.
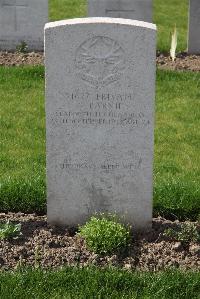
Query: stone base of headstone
{"points": [[14, 44]]}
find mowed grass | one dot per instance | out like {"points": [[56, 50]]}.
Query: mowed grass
{"points": [[66, 9], [22, 151], [165, 15], [177, 147], [77, 283], [177, 135]]}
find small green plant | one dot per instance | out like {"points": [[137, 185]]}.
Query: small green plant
{"points": [[170, 233], [104, 234], [188, 232], [9, 230], [22, 47]]}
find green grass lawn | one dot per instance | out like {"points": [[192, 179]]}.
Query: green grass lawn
{"points": [[166, 15], [177, 148], [22, 139], [177, 134], [77, 283]]}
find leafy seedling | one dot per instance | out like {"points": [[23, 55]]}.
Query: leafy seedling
{"points": [[187, 233], [104, 234], [22, 47], [10, 230]]}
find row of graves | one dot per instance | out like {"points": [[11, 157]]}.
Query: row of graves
{"points": [[24, 20], [100, 89]]}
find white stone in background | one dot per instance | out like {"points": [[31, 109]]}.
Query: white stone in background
{"points": [[128, 9], [100, 84], [22, 20], [194, 27]]}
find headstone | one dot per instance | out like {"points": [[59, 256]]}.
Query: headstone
{"points": [[100, 81], [22, 21], [194, 27], [128, 9]]}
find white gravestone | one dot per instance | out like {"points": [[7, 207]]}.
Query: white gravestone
{"points": [[128, 9], [194, 27], [22, 21], [100, 84]]}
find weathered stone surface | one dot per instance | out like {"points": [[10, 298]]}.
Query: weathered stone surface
{"points": [[100, 80], [128, 9], [22, 20], [194, 27]]}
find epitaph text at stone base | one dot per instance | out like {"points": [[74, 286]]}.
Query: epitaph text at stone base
{"points": [[22, 22], [100, 84]]}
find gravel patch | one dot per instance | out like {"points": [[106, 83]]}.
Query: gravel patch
{"points": [[182, 62], [18, 59], [48, 246]]}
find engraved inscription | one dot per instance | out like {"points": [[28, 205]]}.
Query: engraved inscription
{"points": [[15, 5], [100, 61], [108, 97], [103, 109], [118, 13], [131, 163], [103, 118]]}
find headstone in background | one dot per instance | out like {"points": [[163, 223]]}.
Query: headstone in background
{"points": [[100, 84], [128, 9], [22, 21], [194, 27]]}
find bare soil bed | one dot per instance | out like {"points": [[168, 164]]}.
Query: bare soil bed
{"points": [[17, 59], [182, 62], [47, 246]]}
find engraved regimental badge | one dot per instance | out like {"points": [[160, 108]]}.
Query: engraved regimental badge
{"points": [[100, 61]]}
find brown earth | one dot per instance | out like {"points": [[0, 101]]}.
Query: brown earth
{"points": [[47, 246], [182, 62], [17, 59]]}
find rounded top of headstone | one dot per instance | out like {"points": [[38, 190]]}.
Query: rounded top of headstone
{"points": [[101, 20]]}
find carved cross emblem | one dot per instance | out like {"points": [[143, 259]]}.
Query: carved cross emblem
{"points": [[15, 5], [118, 13], [120, 9]]}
